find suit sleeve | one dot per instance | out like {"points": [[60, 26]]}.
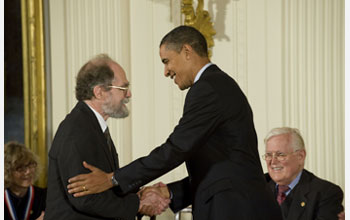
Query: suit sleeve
{"points": [[200, 118], [330, 204], [181, 194], [106, 204]]}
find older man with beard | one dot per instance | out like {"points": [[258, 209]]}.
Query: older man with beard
{"points": [[101, 91]]}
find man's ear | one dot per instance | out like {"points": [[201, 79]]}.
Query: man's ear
{"points": [[187, 50], [302, 154], [98, 92]]}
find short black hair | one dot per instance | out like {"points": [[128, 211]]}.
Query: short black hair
{"points": [[181, 35]]}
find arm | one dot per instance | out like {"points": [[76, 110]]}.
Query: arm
{"points": [[178, 191], [106, 204], [157, 197], [200, 119], [153, 200], [330, 204], [181, 194], [95, 182]]}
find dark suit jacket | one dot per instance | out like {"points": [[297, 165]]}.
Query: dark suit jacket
{"points": [[312, 198], [217, 140], [80, 138]]}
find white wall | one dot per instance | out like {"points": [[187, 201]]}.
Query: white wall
{"points": [[287, 56]]}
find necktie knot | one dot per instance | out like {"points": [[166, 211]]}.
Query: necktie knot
{"points": [[281, 196], [107, 133], [282, 188]]}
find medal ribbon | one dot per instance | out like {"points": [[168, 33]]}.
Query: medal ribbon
{"points": [[29, 205]]}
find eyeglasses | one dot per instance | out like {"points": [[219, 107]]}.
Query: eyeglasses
{"points": [[119, 87], [125, 89], [23, 168], [278, 155]]}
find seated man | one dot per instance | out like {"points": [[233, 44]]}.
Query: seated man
{"points": [[301, 194]]}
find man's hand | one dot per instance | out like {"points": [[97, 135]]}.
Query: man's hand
{"points": [[152, 200], [341, 216], [41, 217], [85, 184], [159, 188]]}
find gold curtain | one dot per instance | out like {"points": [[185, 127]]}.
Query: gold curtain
{"points": [[34, 81]]}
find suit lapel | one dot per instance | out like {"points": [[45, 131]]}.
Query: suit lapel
{"points": [[286, 204], [272, 186], [296, 199], [299, 198], [99, 134]]}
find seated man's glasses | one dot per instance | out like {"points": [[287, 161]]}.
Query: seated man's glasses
{"points": [[278, 155]]}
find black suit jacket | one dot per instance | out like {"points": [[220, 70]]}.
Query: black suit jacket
{"points": [[311, 199], [80, 138], [217, 140]]}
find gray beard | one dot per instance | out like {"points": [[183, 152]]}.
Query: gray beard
{"points": [[120, 112]]}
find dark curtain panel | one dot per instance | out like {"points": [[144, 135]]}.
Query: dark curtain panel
{"points": [[13, 79]]}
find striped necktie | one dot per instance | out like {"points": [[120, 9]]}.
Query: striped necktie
{"points": [[281, 196]]}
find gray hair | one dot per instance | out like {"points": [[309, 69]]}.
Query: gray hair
{"points": [[297, 140]]}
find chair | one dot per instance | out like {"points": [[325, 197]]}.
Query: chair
{"points": [[150, 218], [185, 210]]}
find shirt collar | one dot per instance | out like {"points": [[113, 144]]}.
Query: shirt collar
{"points": [[101, 121], [293, 183], [201, 71]]}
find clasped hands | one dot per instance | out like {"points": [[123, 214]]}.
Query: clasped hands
{"points": [[153, 199]]}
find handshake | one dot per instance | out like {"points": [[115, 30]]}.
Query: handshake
{"points": [[154, 199]]}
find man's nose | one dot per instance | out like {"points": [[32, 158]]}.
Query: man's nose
{"points": [[274, 159], [128, 94], [166, 72], [26, 171]]}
